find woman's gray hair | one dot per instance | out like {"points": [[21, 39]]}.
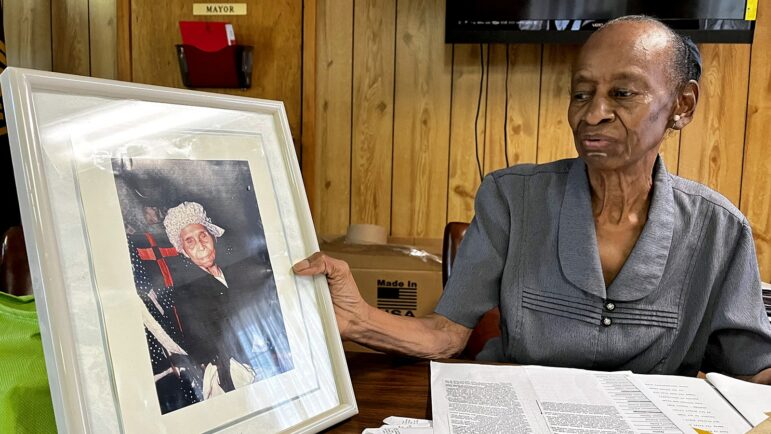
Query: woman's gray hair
{"points": [[685, 64]]}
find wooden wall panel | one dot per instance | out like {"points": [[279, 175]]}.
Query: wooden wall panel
{"points": [[28, 33], [756, 187], [421, 120], [524, 82], [334, 38], [70, 41], [308, 140], [273, 28], [373, 110], [555, 140], [71, 36], [463, 172], [711, 147], [154, 32], [103, 38], [123, 39], [495, 101]]}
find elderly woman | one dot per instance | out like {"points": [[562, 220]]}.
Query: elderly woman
{"points": [[606, 261], [229, 314]]}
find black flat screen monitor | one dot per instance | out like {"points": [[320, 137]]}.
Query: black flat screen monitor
{"points": [[572, 21]]}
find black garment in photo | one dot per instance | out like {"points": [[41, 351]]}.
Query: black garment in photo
{"points": [[178, 380], [242, 321]]}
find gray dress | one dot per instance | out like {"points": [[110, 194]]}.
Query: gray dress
{"points": [[688, 297]]}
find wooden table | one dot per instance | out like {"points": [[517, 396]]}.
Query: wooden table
{"points": [[386, 386]]}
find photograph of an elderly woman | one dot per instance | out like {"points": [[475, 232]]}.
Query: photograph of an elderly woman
{"points": [[213, 319]]}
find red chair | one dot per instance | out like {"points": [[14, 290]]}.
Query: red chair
{"points": [[489, 325]]}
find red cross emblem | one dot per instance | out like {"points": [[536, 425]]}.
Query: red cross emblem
{"points": [[157, 254]]}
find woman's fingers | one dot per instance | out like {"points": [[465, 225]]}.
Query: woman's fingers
{"points": [[345, 294], [313, 264], [320, 263]]}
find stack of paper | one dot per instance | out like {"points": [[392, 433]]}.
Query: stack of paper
{"points": [[481, 398]]}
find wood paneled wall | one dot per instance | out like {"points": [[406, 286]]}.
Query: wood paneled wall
{"points": [[389, 111], [71, 36], [756, 182], [81, 37], [150, 31], [395, 119]]}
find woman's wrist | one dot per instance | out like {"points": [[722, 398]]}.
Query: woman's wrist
{"points": [[359, 324]]}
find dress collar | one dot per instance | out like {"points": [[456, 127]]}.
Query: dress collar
{"points": [[578, 253]]}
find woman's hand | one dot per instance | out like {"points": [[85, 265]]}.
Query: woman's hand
{"points": [[350, 307], [432, 336]]}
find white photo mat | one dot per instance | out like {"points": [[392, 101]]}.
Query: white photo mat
{"points": [[65, 131]]}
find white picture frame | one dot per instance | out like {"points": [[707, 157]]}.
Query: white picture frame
{"points": [[80, 147]]}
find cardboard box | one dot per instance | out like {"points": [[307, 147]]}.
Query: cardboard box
{"points": [[403, 279]]}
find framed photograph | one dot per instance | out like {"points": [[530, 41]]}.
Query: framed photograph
{"points": [[161, 227]]}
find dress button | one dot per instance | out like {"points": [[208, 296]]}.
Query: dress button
{"points": [[610, 306], [606, 321]]}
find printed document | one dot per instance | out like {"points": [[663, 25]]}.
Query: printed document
{"points": [[533, 399]]}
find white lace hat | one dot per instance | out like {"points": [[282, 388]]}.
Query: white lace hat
{"points": [[187, 213]]}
